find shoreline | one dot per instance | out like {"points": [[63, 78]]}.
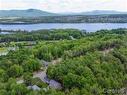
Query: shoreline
{"points": [[61, 23]]}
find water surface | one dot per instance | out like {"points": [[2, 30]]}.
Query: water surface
{"points": [[89, 27]]}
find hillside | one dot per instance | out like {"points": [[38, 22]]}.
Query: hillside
{"points": [[113, 18], [38, 13], [99, 12], [38, 16], [25, 13]]}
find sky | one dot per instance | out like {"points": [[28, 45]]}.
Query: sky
{"points": [[61, 6]]}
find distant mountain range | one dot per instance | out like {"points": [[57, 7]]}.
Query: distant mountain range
{"points": [[99, 12], [25, 13], [38, 13]]}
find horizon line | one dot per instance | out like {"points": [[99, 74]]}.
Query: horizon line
{"points": [[60, 12]]}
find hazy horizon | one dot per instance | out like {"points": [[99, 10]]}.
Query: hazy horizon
{"points": [[61, 12], [62, 6]]}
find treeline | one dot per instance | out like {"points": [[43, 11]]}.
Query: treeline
{"points": [[115, 18], [54, 34]]}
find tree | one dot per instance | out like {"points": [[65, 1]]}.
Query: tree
{"points": [[15, 71], [19, 89], [27, 78], [31, 65]]}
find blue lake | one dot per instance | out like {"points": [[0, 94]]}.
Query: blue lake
{"points": [[89, 27]]}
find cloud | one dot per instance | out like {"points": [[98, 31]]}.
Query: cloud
{"points": [[65, 5]]}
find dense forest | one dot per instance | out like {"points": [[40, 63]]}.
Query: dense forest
{"points": [[111, 18], [53, 34], [82, 63]]}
